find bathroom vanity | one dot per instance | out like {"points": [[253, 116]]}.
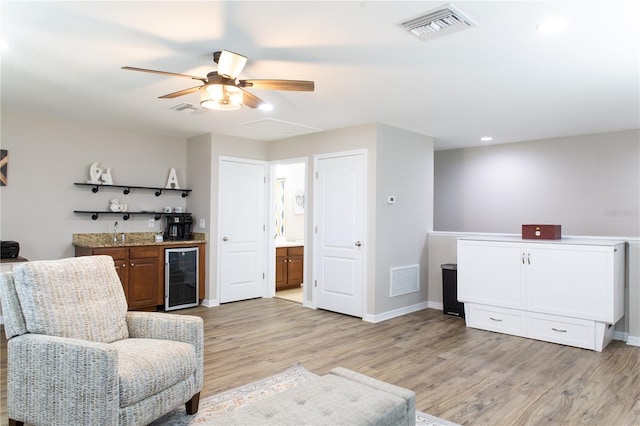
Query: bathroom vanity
{"points": [[289, 265]]}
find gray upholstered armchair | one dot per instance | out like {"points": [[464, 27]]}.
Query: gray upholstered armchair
{"points": [[77, 357]]}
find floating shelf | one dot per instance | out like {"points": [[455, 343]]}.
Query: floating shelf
{"points": [[125, 215], [126, 189]]}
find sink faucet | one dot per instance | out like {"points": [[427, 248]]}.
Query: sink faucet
{"points": [[115, 231]]}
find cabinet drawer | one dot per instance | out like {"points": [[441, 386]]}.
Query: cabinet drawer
{"points": [[116, 253], [296, 251], [566, 331], [281, 252], [141, 252], [509, 321]]}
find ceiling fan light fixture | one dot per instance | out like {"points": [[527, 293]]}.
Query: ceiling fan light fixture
{"points": [[221, 97], [230, 64]]}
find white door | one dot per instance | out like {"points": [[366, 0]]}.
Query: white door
{"points": [[340, 197], [242, 229]]}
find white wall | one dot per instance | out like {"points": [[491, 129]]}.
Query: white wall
{"points": [[46, 157]]}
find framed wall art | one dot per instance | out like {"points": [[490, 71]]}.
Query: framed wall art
{"points": [[4, 162]]}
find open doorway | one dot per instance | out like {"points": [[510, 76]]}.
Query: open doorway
{"points": [[289, 204]]}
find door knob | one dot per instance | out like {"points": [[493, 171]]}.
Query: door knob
{"points": [[225, 239], [358, 243]]}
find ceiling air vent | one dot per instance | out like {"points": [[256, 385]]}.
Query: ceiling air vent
{"points": [[438, 22], [187, 109]]}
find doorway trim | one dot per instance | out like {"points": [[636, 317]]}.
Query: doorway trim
{"points": [[271, 229], [367, 239], [268, 193]]}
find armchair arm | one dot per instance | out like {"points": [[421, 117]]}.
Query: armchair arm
{"points": [[57, 380], [162, 326]]}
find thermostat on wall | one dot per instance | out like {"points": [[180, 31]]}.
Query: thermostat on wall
{"points": [[391, 200]]}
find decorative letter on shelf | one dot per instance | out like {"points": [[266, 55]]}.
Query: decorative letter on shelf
{"points": [[172, 182]]}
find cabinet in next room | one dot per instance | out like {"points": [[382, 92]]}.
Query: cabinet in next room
{"points": [[289, 267]]}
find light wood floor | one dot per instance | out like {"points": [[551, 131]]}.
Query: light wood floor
{"points": [[463, 375]]}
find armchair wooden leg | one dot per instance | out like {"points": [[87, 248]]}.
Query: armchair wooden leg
{"points": [[192, 404], [17, 422]]}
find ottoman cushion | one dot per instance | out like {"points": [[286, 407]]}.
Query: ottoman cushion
{"points": [[330, 400]]}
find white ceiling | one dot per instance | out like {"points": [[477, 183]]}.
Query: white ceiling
{"points": [[501, 78]]}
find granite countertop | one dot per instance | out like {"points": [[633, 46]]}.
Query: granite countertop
{"points": [[289, 244], [131, 239]]}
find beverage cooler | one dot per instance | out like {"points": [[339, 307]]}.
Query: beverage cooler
{"points": [[181, 278]]}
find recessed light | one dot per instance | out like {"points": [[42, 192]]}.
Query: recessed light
{"points": [[552, 26], [266, 107], [486, 139]]}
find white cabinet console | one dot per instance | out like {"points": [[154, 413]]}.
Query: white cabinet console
{"points": [[568, 291]]}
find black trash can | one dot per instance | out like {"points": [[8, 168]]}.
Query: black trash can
{"points": [[450, 304]]}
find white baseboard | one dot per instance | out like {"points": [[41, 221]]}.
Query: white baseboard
{"points": [[395, 313], [633, 340], [210, 303]]}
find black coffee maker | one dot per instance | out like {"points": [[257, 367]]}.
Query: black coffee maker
{"points": [[177, 226]]}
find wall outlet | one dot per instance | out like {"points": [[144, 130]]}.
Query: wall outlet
{"points": [[152, 223], [202, 224]]}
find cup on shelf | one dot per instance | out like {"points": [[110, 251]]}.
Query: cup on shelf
{"points": [[177, 209], [167, 209]]}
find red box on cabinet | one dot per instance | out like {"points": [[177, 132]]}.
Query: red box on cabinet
{"points": [[541, 232]]}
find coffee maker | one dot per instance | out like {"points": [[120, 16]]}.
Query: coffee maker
{"points": [[177, 226]]}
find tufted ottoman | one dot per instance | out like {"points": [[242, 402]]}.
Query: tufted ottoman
{"points": [[342, 397]]}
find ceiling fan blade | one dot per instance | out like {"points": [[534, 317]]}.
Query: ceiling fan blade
{"points": [[229, 64], [180, 93], [251, 100], [171, 74], [297, 85]]}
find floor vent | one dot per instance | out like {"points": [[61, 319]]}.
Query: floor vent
{"points": [[437, 22], [405, 280]]}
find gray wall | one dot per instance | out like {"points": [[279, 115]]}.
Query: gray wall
{"points": [[588, 184], [400, 163], [46, 157]]}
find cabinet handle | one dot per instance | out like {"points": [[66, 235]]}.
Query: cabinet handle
{"points": [[523, 258], [289, 260], [132, 265], [124, 265], [528, 258], [358, 244], [558, 330], [495, 319]]}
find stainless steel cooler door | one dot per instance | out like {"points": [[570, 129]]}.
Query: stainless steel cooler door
{"points": [[180, 278]]}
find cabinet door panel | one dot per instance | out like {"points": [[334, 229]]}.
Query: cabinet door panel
{"points": [[570, 280], [295, 272], [121, 262], [281, 268], [143, 283], [491, 273]]}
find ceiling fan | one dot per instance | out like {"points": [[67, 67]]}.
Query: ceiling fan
{"points": [[222, 90]]}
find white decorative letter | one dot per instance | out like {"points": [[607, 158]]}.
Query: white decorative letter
{"points": [[106, 177], [94, 173], [172, 182]]}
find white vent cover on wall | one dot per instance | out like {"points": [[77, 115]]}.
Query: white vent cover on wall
{"points": [[438, 22], [405, 280]]}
